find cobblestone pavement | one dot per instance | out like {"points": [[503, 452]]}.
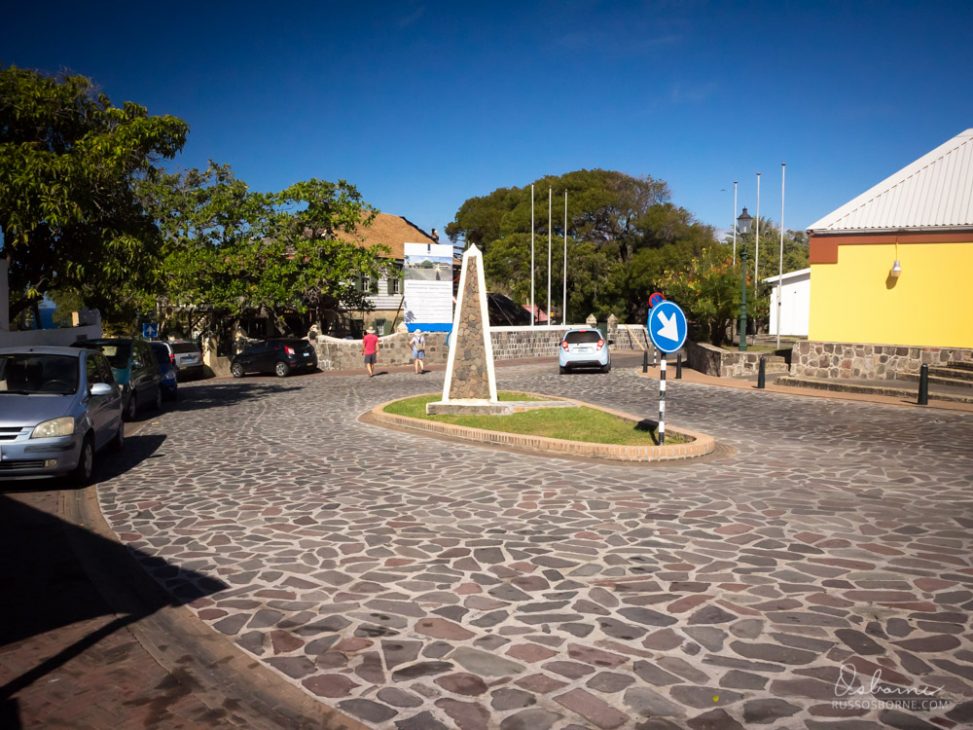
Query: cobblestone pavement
{"points": [[825, 550]]}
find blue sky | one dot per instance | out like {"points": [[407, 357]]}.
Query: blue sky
{"points": [[424, 104]]}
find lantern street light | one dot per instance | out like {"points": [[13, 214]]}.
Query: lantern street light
{"points": [[744, 221], [742, 328]]}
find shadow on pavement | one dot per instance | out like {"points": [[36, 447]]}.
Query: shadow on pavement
{"points": [[202, 395], [108, 465], [48, 587]]}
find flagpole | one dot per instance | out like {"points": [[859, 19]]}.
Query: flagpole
{"points": [[780, 262], [756, 254], [733, 222], [550, 199], [564, 306], [532, 309]]}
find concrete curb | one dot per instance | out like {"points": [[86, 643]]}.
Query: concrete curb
{"points": [[701, 445]]}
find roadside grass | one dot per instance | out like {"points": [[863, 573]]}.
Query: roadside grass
{"points": [[583, 424]]}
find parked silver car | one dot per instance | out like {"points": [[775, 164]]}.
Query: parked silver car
{"points": [[58, 407], [185, 356]]}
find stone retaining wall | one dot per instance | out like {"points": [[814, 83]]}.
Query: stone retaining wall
{"points": [[839, 360], [716, 361], [509, 343]]}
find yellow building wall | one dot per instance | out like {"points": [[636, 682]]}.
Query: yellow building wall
{"points": [[929, 305]]}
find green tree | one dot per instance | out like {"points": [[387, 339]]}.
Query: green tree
{"points": [[707, 285], [795, 257], [230, 251], [612, 217], [69, 213]]}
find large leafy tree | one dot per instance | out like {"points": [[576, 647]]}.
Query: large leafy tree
{"points": [[612, 218], [229, 251], [69, 213]]}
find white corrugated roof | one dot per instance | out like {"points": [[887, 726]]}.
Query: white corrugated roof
{"points": [[935, 191], [788, 276]]}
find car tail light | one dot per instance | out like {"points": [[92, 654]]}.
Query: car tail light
{"points": [[288, 349], [601, 344], [172, 358], [564, 344]]}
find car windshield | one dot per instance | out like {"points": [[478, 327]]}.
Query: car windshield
{"points": [[118, 354], [33, 373], [582, 338]]}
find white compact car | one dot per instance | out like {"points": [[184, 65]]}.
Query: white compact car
{"points": [[584, 348]]}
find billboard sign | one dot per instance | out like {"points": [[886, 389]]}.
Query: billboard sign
{"points": [[428, 275]]}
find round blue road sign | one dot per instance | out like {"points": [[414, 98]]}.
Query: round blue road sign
{"points": [[667, 326]]}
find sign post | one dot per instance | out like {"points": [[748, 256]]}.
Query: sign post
{"points": [[667, 330]]}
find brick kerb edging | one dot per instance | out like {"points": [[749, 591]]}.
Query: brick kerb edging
{"points": [[701, 444]]}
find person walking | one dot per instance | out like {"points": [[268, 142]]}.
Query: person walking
{"points": [[369, 350], [418, 344]]}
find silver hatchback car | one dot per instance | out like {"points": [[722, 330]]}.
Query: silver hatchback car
{"points": [[584, 348], [58, 407]]}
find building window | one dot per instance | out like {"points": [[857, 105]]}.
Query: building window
{"points": [[367, 284], [394, 280]]}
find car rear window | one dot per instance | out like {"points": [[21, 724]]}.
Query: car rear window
{"points": [[184, 347], [582, 338]]}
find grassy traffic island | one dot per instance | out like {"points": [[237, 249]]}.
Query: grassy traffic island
{"points": [[575, 429]]}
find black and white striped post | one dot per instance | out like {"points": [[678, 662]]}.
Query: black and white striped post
{"points": [[666, 325], [662, 400]]}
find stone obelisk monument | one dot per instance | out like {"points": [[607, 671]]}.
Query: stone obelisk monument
{"points": [[470, 378]]}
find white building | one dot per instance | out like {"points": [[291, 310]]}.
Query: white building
{"points": [[790, 301]]}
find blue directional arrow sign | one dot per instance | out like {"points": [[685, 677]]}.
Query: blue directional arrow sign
{"points": [[667, 326], [150, 330]]}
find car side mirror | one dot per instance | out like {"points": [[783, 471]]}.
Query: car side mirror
{"points": [[98, 389]]}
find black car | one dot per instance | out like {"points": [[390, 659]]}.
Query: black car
{"points": [[280, 356]]}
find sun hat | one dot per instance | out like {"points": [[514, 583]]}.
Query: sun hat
{"points": [[370, 330]]}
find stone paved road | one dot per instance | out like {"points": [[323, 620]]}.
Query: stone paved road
{"points": [[414, 583]]}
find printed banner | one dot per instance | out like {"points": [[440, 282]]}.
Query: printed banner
{"points": [[428, 274]]}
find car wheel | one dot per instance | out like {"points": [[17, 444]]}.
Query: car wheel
{"points": [[563, 369], [132, 409], [282, 369], [236, 370], [86, 463], [607, 368]]}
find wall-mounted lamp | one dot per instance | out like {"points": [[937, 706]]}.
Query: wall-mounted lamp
{"points": [[896, 269]]}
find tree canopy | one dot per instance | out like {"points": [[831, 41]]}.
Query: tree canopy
{"points": [[611, 218], [230, 250], [69, 164]]}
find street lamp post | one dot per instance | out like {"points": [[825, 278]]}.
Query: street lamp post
{"points": [[743, 226], [742, 328]]}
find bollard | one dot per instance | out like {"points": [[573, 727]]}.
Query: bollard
{"points": [[923, 385], [679, 366], [645, 361], [762, 373]]}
